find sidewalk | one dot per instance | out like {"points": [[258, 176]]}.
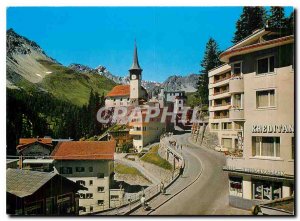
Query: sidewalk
{"points": [[152, 177], [152, 192]]}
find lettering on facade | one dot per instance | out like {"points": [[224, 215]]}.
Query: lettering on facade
{"points": [[256, 171], [272, 128]]}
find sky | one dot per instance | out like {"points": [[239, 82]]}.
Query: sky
{"points": [[170, 40]]}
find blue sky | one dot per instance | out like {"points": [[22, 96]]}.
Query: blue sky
{"points": [[171, 40]]}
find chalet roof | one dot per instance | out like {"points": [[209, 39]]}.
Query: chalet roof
{"points": [[23, 141], [84, 150], [23, 183], [26, 142]]}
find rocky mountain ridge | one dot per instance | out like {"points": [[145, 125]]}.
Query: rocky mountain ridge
{"points": [[175, 82]]}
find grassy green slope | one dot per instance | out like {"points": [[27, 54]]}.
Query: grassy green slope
{"points": [[69, 85], [153, 157]]}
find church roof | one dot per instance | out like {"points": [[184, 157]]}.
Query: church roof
{"points": [[122, 91], [135, 65], [119, 91]]}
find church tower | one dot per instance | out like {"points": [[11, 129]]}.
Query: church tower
{"points": [[135, 74]]}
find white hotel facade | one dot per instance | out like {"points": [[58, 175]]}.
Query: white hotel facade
{"points": [[252, 110]]}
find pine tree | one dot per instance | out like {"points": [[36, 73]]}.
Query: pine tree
{"points": [[210, 61], [252, 18], [277, 19], [290, 24]]}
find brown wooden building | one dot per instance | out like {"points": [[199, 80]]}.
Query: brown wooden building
{"points": [[39, 193]]}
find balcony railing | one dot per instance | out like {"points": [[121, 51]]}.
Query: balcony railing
{"points": [[222, 79], [220, 105], [220, 117], [221, 92], [235, 75]]}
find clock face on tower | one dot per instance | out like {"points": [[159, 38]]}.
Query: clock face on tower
{"points": [[133, 76]]}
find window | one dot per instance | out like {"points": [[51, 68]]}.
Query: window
{"points": [[266, 146], [82, 208], [66, 170], [214, 126], [227, 143], [91, 169], [237, 68], [91, 182], [100, 202], [237, 101], [226, 126], [236, 186], [114, 197], [265, 65], [100, 175], [82, 195], [79, 169], [265, 98], [100, 189], [266, 190], [91, 209], [293, 148], [238, 125], [80, 182], [89, 196]]}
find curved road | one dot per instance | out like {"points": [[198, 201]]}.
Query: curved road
{"points": [[202, 190]]}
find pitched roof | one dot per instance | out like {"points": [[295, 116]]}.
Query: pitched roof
{"points": [[23, 141], [23, 183], [26, 142], [84, 150], [249, 44], [119, 90], [122, 91]]}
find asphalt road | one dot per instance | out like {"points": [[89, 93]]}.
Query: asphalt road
{"points": [[202, 190]]}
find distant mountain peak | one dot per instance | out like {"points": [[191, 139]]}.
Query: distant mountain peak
{"points": [[17, 44]]}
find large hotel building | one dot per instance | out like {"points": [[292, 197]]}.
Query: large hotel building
{"points": [[252, 110]]}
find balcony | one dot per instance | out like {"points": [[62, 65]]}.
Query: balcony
{"points": [[236, 114], [236, 84], [220, 92], [222, 79], [221, 117], [218, 107]]}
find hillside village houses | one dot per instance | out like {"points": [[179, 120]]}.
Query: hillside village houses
{"points": [[251, 105], [135, 96], [90, 164]]}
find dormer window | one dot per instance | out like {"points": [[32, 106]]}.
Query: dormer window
{"points": [[265, 65]]}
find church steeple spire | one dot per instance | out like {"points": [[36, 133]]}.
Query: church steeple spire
{"points": [[135, 65]]}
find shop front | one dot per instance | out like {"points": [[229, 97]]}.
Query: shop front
{"points": [[249, 189]]}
